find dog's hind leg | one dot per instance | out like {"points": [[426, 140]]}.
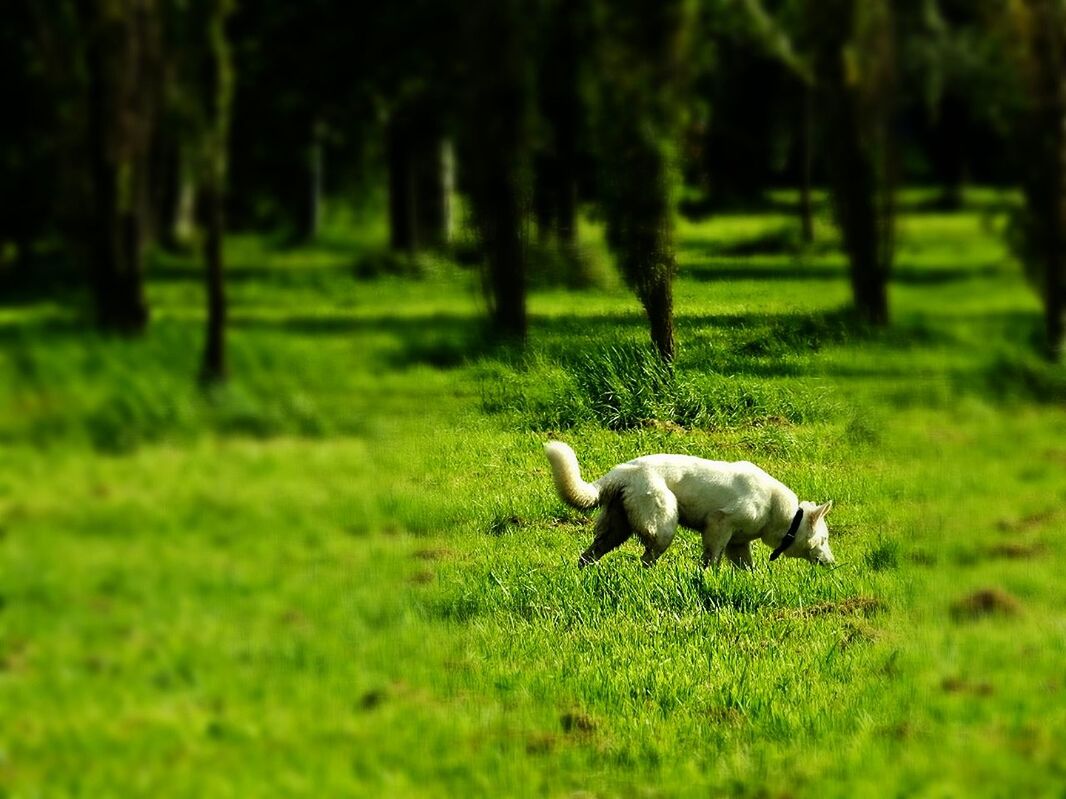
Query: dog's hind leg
{"points": [[652, 511], [612, 530]]}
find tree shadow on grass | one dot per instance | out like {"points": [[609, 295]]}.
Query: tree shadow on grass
{"points": [[40, 330], [801, 270], [48, 276], [266, 275], [300, 267], [442, 340], [774, 345], [761, 344]]}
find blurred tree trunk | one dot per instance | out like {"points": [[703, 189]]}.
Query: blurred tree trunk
{"points": [[641, 53], [402, 215], [213, 367], [316, 157], [854, 69], [497, 152], [301, 180], [433, 189], [122, 59], [555, 172], [544, 204], [949, 135], [216, 99], [419, 178], [168, 229], [1041, 33], [806, 159]]}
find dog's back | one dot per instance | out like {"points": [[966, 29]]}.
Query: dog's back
{"points": [[703, 487]]}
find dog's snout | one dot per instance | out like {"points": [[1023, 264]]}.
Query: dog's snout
{"points": [[822, 558]]}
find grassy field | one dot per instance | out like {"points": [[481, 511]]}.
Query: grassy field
{"points": [[347, 573]]}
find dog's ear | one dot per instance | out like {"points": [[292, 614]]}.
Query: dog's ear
{"points": [[821, 511]]}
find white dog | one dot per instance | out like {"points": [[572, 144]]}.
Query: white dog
{"points": [[730, 504]]}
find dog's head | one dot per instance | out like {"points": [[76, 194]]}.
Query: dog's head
{"points": [[812, 538]]}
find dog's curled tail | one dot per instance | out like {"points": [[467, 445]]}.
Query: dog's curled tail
{"points": [[567, 476]]}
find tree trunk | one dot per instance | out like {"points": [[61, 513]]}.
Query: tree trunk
{"points": [[806, 158], [855, 117], [658, 301], [506, 253], [403, 221], [638, 131], [497, 153], [950, 135], [419, 179], [567, 123], [184, 221], [1054, 307], [217, 99], [121, 59], [166, 188], [432, 189], [213, 369], [555, 172], [316, 172], [544, 205], [1045, 156]]}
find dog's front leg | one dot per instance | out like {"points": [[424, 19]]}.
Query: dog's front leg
{"points": [[716, 536]]}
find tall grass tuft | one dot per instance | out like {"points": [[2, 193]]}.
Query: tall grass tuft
{"points": [[627, 386]]}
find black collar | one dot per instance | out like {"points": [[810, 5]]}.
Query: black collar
{"points": [[790, 536]]}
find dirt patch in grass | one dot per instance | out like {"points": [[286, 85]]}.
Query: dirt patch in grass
{"points": [[923, 557], [541, 743], [574, 722], [1025, 523], [1017, 550], [725, 715], [852, 606], [569, 522], [439, 553], [960, 685], [665, 426], [294, 618], [502, 524], [421, 577], [900, 731], [858, 632], [985, 602], [371, 699]]}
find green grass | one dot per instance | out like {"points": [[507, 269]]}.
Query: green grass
{"points": [[347, 572]]}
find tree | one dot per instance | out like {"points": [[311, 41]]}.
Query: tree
{"points": [[1038, 29], [496, 143], [307, 108], [641, 47], [415, 87], [121, 67], [214, 91], [419, 175], [852, 52], [746, 128], [560, 106], [30, 140], [951, 88]]}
